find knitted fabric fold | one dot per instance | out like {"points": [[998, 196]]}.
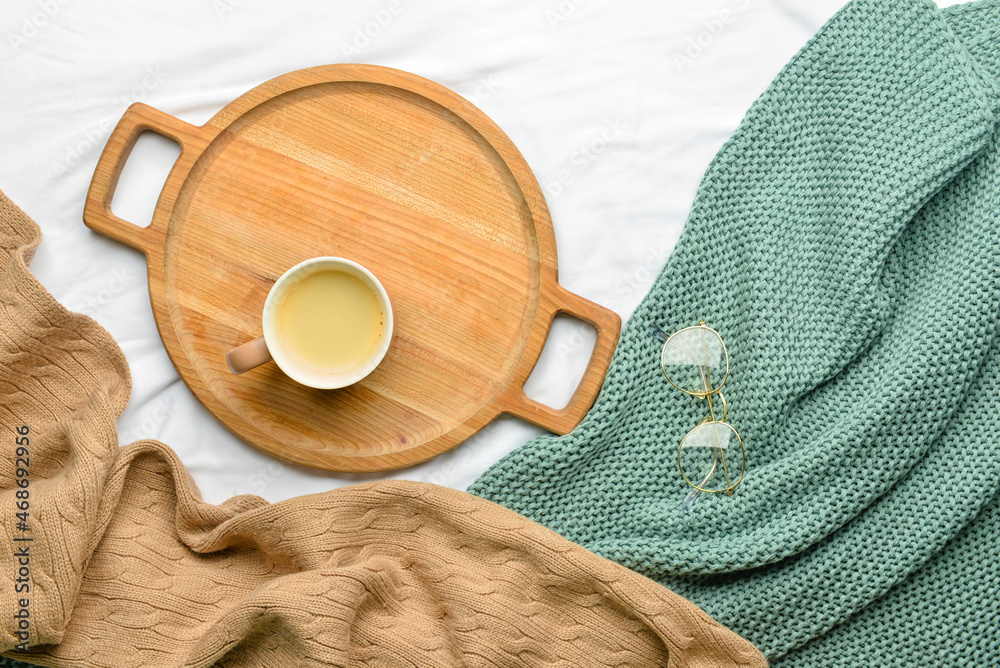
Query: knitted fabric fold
{"points": [[111, 560], [845, 243]]}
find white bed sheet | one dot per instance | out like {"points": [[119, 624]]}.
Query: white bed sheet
{"points": [[664, 83]]}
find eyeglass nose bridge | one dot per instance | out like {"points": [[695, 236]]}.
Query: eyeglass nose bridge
{"points": [[707, 396]]}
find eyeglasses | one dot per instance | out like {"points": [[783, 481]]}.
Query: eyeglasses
{"points": [[695, 361]]}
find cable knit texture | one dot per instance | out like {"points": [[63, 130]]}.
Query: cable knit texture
{"points": [[845, 242], [126, 567]]}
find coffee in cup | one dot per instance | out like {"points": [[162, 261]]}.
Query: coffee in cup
{"points": [[327, 323]]}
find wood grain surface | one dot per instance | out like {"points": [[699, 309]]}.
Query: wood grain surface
{"points": [[392, 171]]}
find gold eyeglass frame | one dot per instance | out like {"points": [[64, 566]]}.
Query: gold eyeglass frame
{"points": [[717, 451]]}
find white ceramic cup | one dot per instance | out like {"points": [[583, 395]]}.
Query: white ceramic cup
{"points": [[269, 347]]}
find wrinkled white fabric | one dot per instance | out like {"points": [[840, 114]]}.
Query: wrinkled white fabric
{"points": [[617, 107]]}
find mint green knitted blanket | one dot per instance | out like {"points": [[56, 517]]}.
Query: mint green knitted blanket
{"points": [[845, 242]]}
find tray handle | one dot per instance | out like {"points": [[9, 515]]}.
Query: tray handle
{"points": [[563, 420], [97, 215]]}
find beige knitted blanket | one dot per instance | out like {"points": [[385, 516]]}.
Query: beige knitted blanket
{"points": [[110, 558]]}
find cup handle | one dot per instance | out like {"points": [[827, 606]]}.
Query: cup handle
{"points": [[251, 354]]}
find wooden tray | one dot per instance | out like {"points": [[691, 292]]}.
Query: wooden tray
{"points": [[392, 171]]}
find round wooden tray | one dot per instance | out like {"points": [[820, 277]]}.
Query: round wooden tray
{"points": [[390, 170]]}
